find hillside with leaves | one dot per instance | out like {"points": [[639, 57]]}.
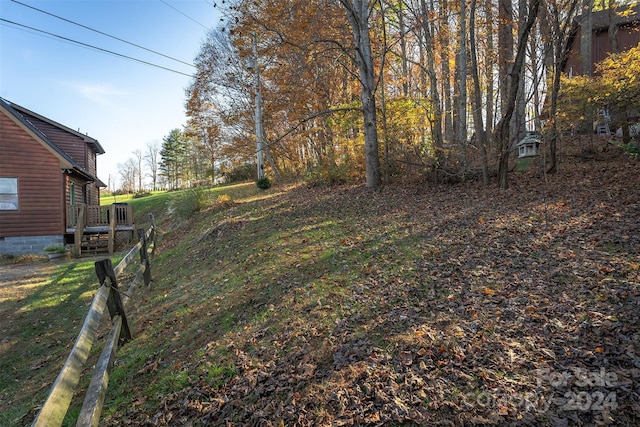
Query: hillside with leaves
{"points": [[410, 305]]}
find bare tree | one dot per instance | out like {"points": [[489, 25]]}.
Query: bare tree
{"points": [[514, 76], [128, 175], [152, 160], [138, 163]]}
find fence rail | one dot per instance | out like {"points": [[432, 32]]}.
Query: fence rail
{"points": [[108, 296]]}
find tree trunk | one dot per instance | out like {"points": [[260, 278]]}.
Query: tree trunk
{"points": [[477, 95], [613, 28], [383, 102], [358, 16], [433, 80], [537, 124], [258, 112], [503, 128], [270, 159], [462, 95], [403, 49], [560, 50], [518, 121], [489, 70], [385, 129], [555, 89], [443, 35], [505, 49]]}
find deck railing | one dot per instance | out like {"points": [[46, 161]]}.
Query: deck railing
{"points": [[100, 216], [117, 216]]}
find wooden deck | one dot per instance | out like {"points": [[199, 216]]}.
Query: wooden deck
{"points": [[91, 224], [101, 229]]}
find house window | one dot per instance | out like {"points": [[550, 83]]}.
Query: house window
{"points": [[8, 194]]}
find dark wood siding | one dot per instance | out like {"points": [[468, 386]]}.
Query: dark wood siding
{"points": [[78, 185], [86, 193], [94, 194], [573, 65], [71, 144], [40, 184], [92, 165], [628, 36]]}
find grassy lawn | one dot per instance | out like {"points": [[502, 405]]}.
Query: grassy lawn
{"points": [[42, 308]]}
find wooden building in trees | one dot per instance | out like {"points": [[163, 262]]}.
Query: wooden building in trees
{"points": [[48, 182], [612, 31]]}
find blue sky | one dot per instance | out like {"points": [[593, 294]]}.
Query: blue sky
{"points": [[122, 103]]}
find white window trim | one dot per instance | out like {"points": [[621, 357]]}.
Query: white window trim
{"points": [[9, 200]]}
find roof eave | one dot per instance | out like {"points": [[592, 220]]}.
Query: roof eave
{"points": [[86, 138]]}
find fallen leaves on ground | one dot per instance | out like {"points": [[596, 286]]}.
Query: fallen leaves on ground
{"points": [[476, 307]]}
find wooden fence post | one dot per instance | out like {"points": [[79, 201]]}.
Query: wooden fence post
{"points": [[112, 228], [152, 235], [57, 404], [104, 269], [59, 399], [81, 223], [144, 256]]}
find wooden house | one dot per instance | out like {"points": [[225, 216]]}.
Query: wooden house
{"points": [[49, 189], [624, 23]]}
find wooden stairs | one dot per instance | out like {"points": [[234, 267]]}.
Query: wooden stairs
{"points": [[94, 243]]}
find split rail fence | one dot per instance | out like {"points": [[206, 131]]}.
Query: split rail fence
{"points": [[110, 296]]}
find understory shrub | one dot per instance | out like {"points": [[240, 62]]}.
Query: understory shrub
{"points": [[632, 150], [141, 194], [242, 173], [263, 183], [187, 202], [328, 175]]}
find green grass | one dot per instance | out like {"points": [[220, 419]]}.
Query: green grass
{"points": [[42, 323], [245, 271], [40, 326], [269, 271], [159, 202]]}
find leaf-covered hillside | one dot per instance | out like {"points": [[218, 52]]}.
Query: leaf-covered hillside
{"points": [[420, 305]]}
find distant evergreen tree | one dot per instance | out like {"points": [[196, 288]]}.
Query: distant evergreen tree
{"points": [[172, 154]]}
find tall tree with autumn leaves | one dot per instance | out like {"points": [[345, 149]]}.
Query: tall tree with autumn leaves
{"points": [[358, 14], [432, 84]]}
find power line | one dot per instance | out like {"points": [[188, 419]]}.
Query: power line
{"points": [[184, 14], [103, 33], [95, 47]]}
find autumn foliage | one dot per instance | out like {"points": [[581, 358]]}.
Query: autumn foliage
{"points": [[616, 87], [387, 90]]}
